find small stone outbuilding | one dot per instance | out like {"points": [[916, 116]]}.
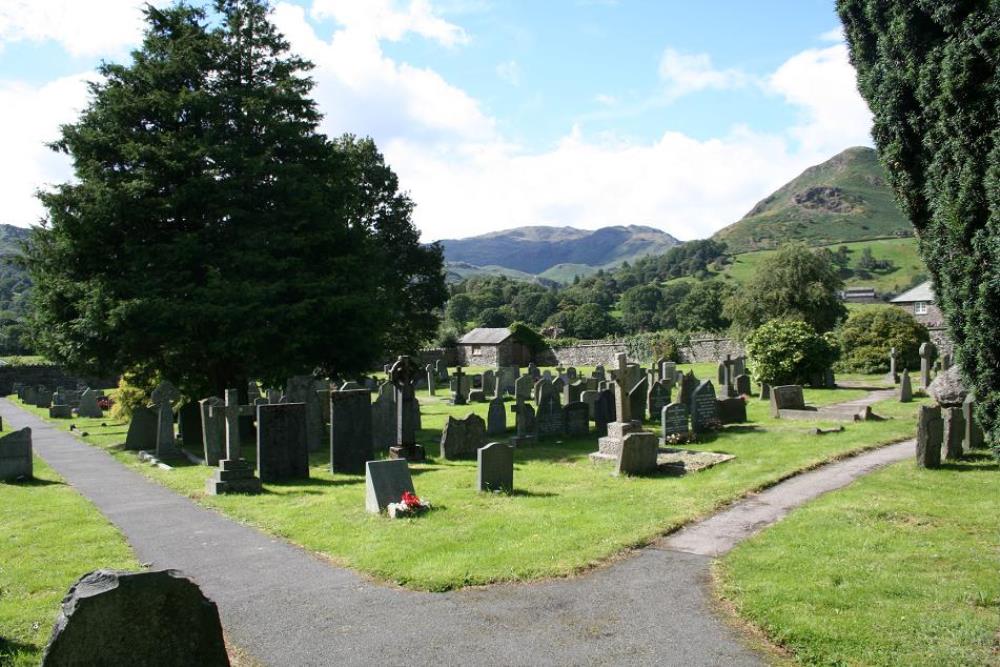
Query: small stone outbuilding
{"points": [[922, 304], [491, 347]]}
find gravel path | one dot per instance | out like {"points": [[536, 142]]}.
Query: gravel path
{"points": [[287, 607]]}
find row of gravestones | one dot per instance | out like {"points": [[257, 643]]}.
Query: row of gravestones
{"points": [[930, 364], [62, 403], [947, 432]]}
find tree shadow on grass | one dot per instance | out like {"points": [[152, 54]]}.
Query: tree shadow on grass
{"points": [[31, 481], [9, 649], [316, 482], [968, 463]]}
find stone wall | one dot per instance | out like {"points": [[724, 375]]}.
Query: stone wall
{"points": [[700, 349], [711, 348], [48, 375]]}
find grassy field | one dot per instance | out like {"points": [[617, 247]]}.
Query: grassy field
{"points": [[50, 537], [900, 568], [567, 514], [902, 252]]}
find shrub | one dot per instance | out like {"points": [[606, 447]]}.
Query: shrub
{"points": [[525, 335], [130, 394], [788, 352], [868, 335], [652, 346]]}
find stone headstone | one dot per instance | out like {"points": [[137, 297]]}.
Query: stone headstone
{"points": [[743, 385], [688, 385], [213, 429], [787, 397], [533, 372], [732, 410], [524, 420], [905, 387], [524, 388], [576, 419], [385, 482], [893, 375], [657, 398], [88, 405], [548, 418], [947, 388], [496, 417], [495, 468], [704, 408], [589, 398], [431, 380], [460, 386], [142, 429], [673, 420], [489, 383], [189, 426], [282, 445], [60, 411], [543, 389], [402, 375], [765, 391], [136, 618], [303, 389], [163, 397], [930, 435], [604, 411], [506, 376], [384, 418], [350, 431], [638, 454], [15, 456], [926, 358], [460, 438], [599, 373], [572, 391], [43, 397], [558, 384], [477, 396], [954, 432]]}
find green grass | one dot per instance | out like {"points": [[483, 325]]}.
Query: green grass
{"points": [[902, 252], [50, 537], [900, 568], [566, 515]]}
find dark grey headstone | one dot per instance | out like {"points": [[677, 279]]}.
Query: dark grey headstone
{"points": [[189, 426], [15, 456], [688, 384], [60, 411], [88, 405], [350, 431], [460, 438], [704, 408], [524, 419], [523, 387], [213, 429], [282, 448], [638, 455], [743, 385], [142, 429], [495, 468], [657, 398], [765, 391], [732, 410], [477, 396], [954, 433], [674, 420], [905, 388], [930, 434], [303, 389], [496, 417], [548, 418], [604, 411], [787, 397], [385, 482], [136, 618], [637, 400], [576, 419], [384, 418]]}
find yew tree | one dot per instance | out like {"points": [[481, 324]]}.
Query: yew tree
{"points": [[212, 234]]}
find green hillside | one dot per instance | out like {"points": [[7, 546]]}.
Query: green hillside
{"points": [[844, 199], [908, 266]]}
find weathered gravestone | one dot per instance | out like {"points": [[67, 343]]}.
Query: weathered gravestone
{"points": [[460, 438], [954, 432], [495, 468], [523, 388], [589, 398], [637, 400], [558, 384], [402, 374], [524, 420], [43, 397], [304, 389], [385, 482], [765, 391], [973, 431], [543, 388], [600, 374], [282, 445], [743, 385], [638, 454], [142, 429], [732, 410], [213, 429], [930, 434], [60, 411], [548, 418], [787, 397], [384, 418], [460, 387], [506, 376], [15, 456], [234, 474], [576, 420], [533, 372], [477, 396], [489, 384], [88, 405], [431, 380], [927, 351], [948, 389], [136, 618], [572, 391], [673, 421], [704, 408], [604, 411], [350, 431], [163, 397], [688, 384], [893, 375], [496, 417], [189, 426], [905, 387], [657, 398]]}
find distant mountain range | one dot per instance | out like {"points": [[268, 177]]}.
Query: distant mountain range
{"points": [[844, 199], [557, 253]]}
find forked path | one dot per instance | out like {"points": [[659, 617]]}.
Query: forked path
{"points": [[287, 607]]}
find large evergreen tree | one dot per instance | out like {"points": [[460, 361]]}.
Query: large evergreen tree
{"points": [[213, 234], [930, 71]]}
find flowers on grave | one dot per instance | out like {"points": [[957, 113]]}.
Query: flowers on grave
{"points": [[680, 438], [409, 505], [105, 402]]}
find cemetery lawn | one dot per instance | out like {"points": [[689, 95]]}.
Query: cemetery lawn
{"points": [[51, 536], [566, 515], [900, 568]]}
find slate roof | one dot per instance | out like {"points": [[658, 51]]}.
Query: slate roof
{"points": [[922, 292], [483, 336]]}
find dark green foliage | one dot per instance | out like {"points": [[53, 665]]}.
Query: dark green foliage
{"points": [[648, 347], [525, 335], [641, 307], [929, 71], [591, 321], [213, 234], [690, 259], [793, 283], [702, 308], [868, 335], [785, 351]]}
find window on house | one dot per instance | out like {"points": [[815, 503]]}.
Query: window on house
{"points": [[920, 308], [477, 351]]}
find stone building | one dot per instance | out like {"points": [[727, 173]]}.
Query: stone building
{"points": [[491, 347], [922, 304]]}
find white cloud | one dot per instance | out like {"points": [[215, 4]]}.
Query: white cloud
{"points": [[510, 72], [29, 118], [686, 73], [93, 27], [383, 19], [823, 85], [833, 35]]}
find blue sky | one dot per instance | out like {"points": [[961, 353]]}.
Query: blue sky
{"points": [[677, 115]]}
